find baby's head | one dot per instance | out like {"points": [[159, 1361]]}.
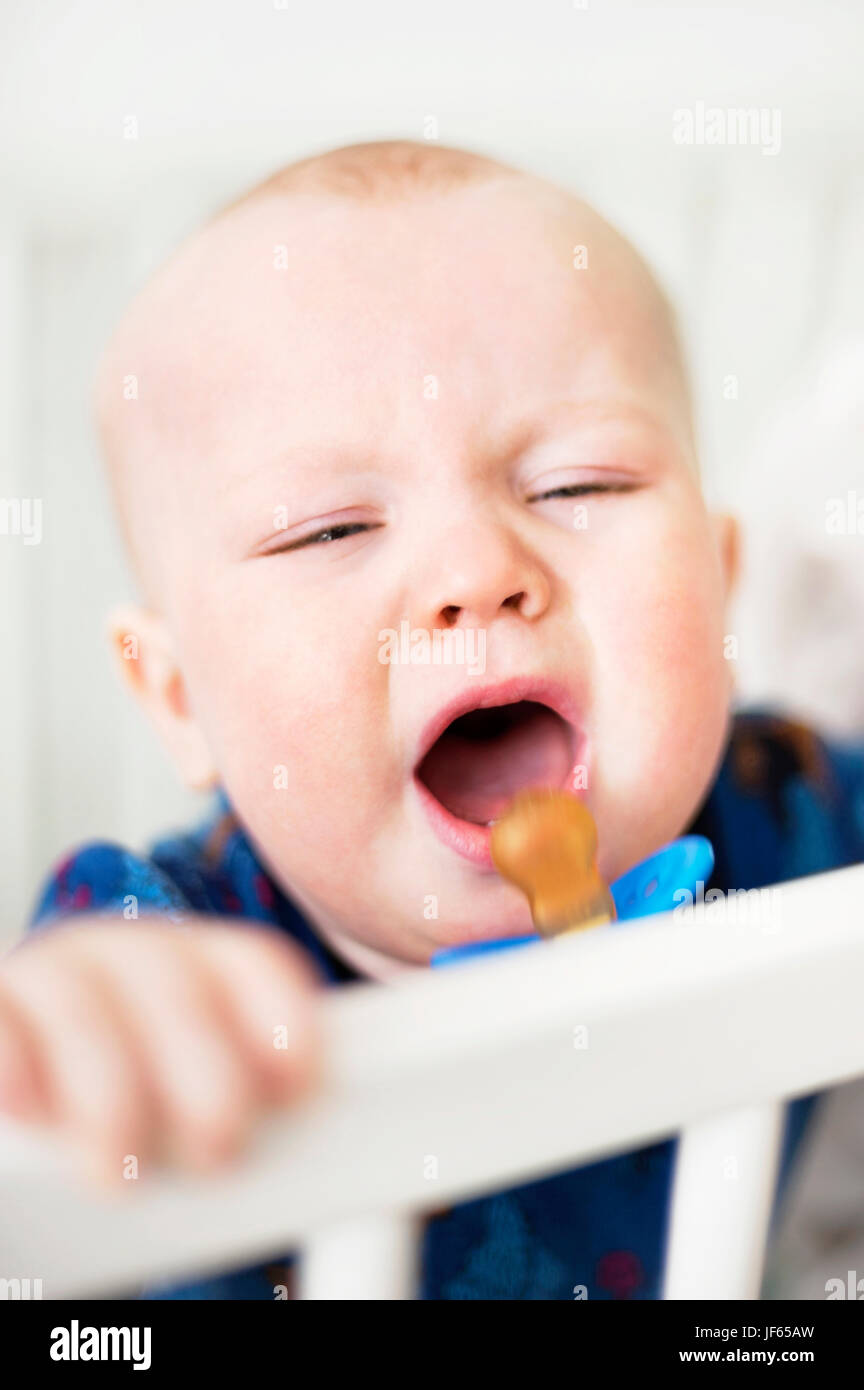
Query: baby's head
{"points": [[412, 436]]}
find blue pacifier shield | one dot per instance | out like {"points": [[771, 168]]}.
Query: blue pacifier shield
{"points": [[658, 883]]}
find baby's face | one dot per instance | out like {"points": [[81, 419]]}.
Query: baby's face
{"points": [[420, 417]]}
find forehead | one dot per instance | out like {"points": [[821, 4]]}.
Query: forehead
{"points": [[308, 313]]}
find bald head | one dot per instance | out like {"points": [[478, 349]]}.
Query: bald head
{"points": [[210, 329]]}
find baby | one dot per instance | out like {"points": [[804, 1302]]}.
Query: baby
{"points": [[395, 387]]}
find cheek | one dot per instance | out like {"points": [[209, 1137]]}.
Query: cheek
{"points": [[281, 685], [663, 684]]}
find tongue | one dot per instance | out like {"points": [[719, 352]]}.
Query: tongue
{"points": [[476, 780]]}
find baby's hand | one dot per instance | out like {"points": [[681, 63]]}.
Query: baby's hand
{"points": [[154, 1042]]}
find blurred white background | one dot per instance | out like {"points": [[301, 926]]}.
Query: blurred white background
{"points": [[762, 253]]}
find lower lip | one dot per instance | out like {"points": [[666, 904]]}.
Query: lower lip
{"points": [[470, 841]]}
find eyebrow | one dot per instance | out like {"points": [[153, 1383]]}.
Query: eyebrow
{"points": [[308, 459], [561, 414]]}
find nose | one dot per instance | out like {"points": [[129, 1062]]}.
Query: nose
{"points": [[476, 573]]}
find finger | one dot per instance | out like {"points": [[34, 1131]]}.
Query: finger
{"points": [[24, 1090], [96, 1092], [273, 994], [203, 1087]]}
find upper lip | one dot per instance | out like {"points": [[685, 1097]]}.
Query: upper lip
{"points": [[542, 690]]}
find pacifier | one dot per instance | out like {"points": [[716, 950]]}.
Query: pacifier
{"points": [[546, 845]]}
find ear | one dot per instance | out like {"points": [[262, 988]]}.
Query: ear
{"points": [[728, 534], [143, 654]]}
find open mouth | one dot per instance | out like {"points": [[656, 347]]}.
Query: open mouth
{"points": [[484, 757]]}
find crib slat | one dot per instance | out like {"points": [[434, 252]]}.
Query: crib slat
{"points": [[362, 1258], [721, 1204]]}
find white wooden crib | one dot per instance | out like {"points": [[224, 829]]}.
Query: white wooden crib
{"points": [[489, 1073]]}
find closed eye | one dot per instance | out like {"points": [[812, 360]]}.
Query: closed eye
{"points": [[583, 490], [327, 535]]}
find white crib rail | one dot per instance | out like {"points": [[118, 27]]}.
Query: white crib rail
{"points": [[450, 1084]]}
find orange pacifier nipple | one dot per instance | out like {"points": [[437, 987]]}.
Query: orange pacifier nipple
{"points": [[546, 844]]}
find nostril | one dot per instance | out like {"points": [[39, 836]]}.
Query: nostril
{"points": [[450, 613], [514, 600]]}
